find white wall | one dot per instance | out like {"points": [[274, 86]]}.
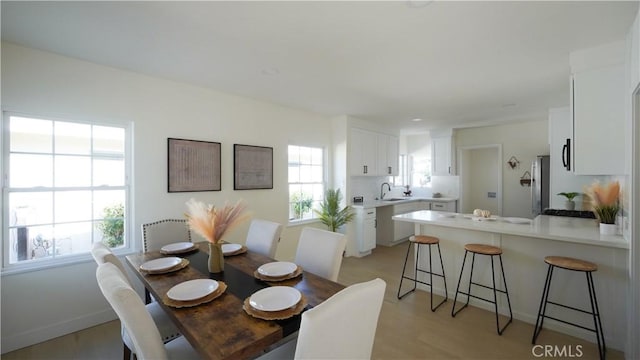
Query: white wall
{"points": [[43, 304], [523, 140], [483, 178]]}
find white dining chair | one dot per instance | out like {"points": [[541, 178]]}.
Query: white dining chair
{"points": [[168, 331], [263, 237], [145, 336], [320, 252], [157, 234], [342, 327]]}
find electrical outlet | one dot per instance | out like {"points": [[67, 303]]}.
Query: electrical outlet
{"points": [[491, 195]]}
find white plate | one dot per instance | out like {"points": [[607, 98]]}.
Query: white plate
{"points": [[160, 264], [229, 248], [278, 268], [275, 298], [177, 247], [447, 215], [192, 289], [517, 220], [480, 218]]}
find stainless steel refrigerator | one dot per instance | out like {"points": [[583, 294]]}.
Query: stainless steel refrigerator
{"points": [[540, 184]]}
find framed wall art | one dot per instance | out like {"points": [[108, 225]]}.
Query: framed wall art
{"points": [[193, 165], [252, 167]]}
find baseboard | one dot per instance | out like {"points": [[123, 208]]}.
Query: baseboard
{"points": [[531, 319], [38, 335]]}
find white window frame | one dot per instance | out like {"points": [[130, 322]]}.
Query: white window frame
{"points": [[39, 264], [314, 218]]}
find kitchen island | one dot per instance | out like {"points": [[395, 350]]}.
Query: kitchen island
{"points": [[525, 243]]}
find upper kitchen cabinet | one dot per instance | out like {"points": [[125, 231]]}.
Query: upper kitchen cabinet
{"points": [[388, 155], [598, 112], [598, 121], [442, 153], [363, 152], [373, 154]]}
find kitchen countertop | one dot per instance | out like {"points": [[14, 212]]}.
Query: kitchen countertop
{"points": [[577, 230], [403, 200]]}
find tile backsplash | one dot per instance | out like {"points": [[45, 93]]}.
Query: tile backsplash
{"points": [[369, 187]]}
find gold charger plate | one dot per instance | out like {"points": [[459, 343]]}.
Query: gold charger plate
{"points": [[222, 287], [275, 315]]}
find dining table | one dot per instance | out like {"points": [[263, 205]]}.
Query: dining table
{"points": [[221, 328]]}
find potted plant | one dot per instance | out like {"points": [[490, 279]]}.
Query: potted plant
{"points": [[570, 204], [606, 204], [330, 213]]}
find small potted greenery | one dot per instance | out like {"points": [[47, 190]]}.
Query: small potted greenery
{"points": [[330, 213], [570, 204]]}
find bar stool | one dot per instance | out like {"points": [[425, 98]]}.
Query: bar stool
{"points": [[490, 251], [423, 240], [572, 264]]}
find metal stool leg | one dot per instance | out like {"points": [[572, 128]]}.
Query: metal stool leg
{"points": [[540, 317], [402, 277], [431, 280], [596, 316], [495, 297], [455, 298]]}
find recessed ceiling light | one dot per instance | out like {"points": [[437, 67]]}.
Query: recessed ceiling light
{"points": [[416, 120]]}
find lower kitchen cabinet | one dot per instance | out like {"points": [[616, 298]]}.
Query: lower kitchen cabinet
{"points": [[364, 231]]}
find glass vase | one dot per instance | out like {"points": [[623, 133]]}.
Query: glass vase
{"points": [[216, 258]]}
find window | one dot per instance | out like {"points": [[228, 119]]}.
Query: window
{"points": [[65, 188], [420, 170], [306, 181]]}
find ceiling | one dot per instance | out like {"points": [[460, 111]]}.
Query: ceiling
{"points": [[449, 63]]}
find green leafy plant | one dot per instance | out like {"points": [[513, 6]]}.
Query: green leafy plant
{"points": [[330, 213], [112, 227], [570, 195], [301, 204]]}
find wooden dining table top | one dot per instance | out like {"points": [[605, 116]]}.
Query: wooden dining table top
{"points": [[221, 329]]}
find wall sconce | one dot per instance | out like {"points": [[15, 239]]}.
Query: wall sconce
{"points": [[513, 162], [525, 180]]}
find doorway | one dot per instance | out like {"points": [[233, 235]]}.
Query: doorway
{"points": [[480, 178]]}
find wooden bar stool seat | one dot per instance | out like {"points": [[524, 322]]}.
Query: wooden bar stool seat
{"points": [[491, 251], [418, 241], [578, 265]]}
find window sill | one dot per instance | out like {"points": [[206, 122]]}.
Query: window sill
{"points": [[21, 268], [302, 222]]}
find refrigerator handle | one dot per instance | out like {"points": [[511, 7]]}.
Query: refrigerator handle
{"points": [[564, 155]]}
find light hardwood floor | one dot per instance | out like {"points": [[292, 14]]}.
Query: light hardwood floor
{"points": [[407, 328]]}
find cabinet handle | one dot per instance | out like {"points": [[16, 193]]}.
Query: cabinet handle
{"points": [[449, 170], [375, 223], [365, 169], [389, 170]]}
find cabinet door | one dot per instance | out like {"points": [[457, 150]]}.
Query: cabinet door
{"points": [[441, 156], [368, 234], [598, 121], [363, 152], [387, 155], [393, 154], [443, 206]]}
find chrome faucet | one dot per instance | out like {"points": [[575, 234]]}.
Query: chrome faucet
{"points": [[382, 189]]}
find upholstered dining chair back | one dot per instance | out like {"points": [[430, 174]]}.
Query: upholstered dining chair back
{"points": [[157, 234], [344, 326], [132, 312], [263, 237], [102, 254], [168, 331], [320, 252]]}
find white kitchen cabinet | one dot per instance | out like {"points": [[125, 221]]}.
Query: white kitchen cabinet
{"points": [[365, 230], [363, 152], [598, 121], [373, 154], [388, 148], [449, 206], [442, 156]]}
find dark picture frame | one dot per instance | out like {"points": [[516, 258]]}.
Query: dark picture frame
{"points": [[252, 167], [193, 165]]}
